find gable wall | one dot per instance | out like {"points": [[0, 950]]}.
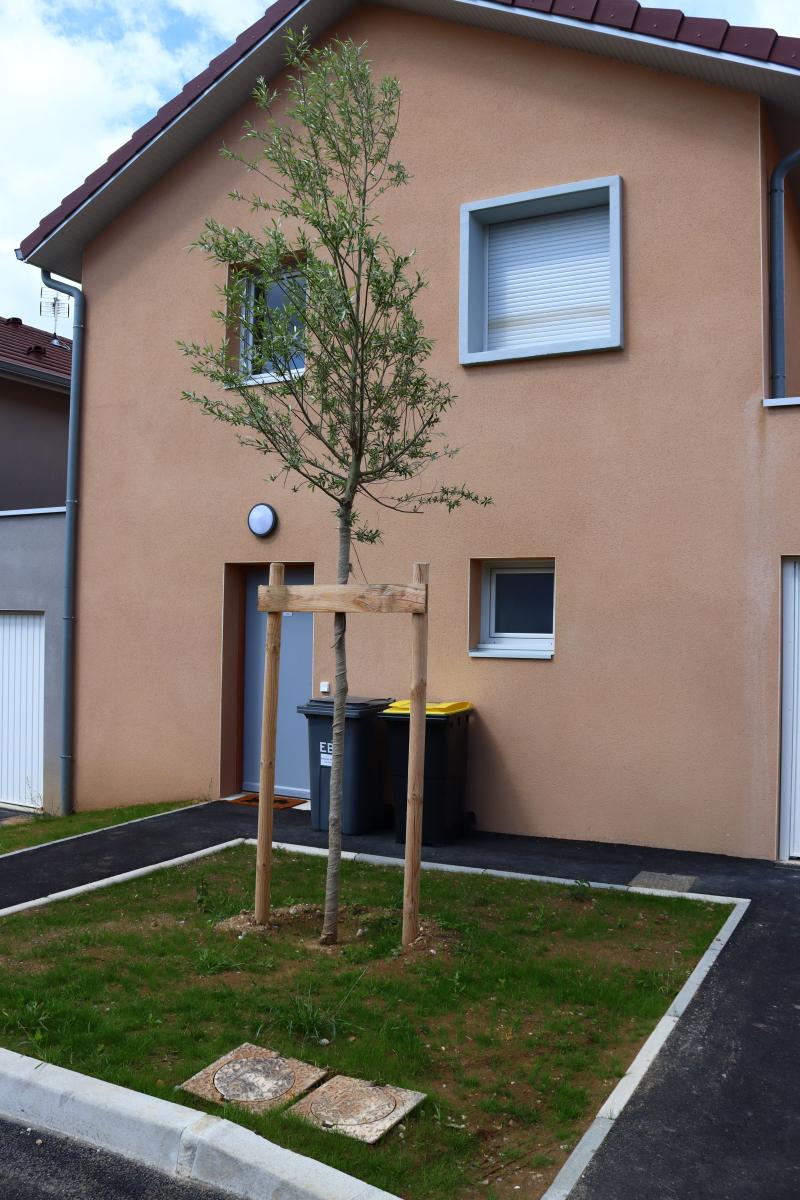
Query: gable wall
{"points": [[651, 474]]}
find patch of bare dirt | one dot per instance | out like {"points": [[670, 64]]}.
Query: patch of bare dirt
{"points": [[21, 966], [356, 922]]}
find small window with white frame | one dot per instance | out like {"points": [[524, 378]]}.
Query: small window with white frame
{"points": [[275, 307], [541, 273], [517, 609]]}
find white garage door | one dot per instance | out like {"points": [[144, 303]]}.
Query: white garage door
{"points": [[790, 732], [21, 708]]}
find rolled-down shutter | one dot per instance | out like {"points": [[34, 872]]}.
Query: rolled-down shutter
{"points": [[21, 707], [790, 739], [549, 279]]}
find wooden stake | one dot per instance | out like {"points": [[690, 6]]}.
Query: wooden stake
{"points": [[269, 727], [416, 764]]}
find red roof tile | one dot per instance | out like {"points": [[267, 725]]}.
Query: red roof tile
{"points": [[786, 52], [24, 345], [750, 41], [659, 22], [619, 13], [703, 31], [580, 10], [668, 23]]}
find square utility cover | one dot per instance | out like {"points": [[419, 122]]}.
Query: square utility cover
{"points": [[357, 1107], [255, 1078]]}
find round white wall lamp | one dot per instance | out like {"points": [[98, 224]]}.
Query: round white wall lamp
{"points": [[262, 520]]}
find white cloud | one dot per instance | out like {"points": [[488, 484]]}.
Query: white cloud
{"points": [[783, 15], [78, 76], [226, 19]]}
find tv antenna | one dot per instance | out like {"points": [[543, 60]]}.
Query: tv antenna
{"points": [[55, 305]]}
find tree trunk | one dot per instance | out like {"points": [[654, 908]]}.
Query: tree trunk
{"points": [[330, 924]]}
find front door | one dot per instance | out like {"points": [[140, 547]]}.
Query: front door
{"points": [[790, 723], [295, 686]]}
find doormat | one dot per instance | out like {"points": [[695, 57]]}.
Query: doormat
{"points": [[251, 799], [254, 1078]]}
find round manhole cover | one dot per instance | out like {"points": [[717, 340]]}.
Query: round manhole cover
{"points": [[254, 1079], [356, 1105]]}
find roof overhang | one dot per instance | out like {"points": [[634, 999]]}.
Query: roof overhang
{"points": [[19, 372], [59, 248]]}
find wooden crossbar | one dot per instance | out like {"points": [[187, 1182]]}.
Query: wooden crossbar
{"points": [[345, 597], [412, 598]]}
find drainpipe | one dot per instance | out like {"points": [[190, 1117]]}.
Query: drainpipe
{"points": [[70, 543], [777, 274]]}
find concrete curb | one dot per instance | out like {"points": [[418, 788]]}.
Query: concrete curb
{"points": [[589, 1144], [73, 837], [383, 860], [184, 1143], [97, 884], [564, 1182], [168, 1137]]}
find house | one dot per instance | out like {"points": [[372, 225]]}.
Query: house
{"points": [[616, 616], [34, 417]]}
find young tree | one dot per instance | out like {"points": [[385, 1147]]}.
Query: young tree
{"points": [[345, 404]]}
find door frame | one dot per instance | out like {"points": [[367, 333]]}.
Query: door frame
{"points": [[232, 677], [234, 599], [789, 818]]}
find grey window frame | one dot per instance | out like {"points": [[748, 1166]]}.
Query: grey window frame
{"points": [[479, 214]]}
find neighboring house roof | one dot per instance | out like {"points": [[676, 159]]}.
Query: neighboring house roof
{"points": [[29, 353], [752, 59]]}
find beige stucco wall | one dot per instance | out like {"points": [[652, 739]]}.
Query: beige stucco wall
{"points": [[653, 476]]}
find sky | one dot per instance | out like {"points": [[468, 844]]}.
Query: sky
{"points": [[77, 77]]}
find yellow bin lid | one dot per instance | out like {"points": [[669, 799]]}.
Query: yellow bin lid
{"points": [[442, 709]]}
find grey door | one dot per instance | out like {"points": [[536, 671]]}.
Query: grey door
{"points": [[294, 687]]}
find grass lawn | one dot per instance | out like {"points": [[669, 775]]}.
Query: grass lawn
{"points": [[516, 1013], [33, 831]]}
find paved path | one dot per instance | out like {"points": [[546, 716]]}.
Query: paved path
{"points": [[718, 1114], [28, 874]]}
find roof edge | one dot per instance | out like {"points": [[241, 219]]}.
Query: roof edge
{"points": [[52, 380], [775, 57], [163, 119]]}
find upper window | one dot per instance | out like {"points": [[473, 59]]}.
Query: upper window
{"points": [[541, 273], [517, 609], [272, 306]]}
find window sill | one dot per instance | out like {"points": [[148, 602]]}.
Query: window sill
{"points": [[781, 401], [469, 358], [256, 380], [508, 652]]}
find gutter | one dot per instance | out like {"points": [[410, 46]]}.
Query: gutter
{"points": [[45, 379], [777, 282], [70, 543]]}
